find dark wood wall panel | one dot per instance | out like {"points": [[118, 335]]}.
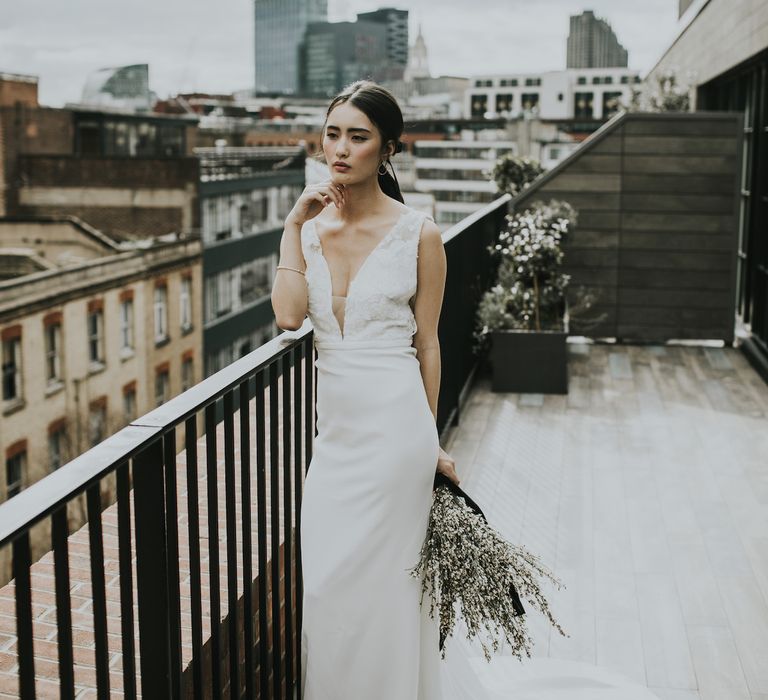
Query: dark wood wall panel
{"points": [[655, 241], [674, 145], [711, 202]]}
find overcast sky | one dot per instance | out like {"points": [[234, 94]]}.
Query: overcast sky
{"points": [[207, 46]]}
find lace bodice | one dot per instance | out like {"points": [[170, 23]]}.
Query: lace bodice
{"points": [[377, 305]]}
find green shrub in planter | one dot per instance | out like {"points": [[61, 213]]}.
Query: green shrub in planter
{"points": [[524, 315], [513, 173]]}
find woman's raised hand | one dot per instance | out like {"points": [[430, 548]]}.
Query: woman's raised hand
{"points": [[314, 199]]}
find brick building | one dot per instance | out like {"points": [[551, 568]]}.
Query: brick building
{"points": [[129, 175], [93, 334]]}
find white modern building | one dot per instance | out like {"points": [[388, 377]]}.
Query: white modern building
{"points": [[577, 93], [457, 174]]}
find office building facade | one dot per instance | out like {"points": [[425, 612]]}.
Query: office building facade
{"points": [[586, 94], [593, 44], [396, 22], [457, 175], [338, 53], [246, 194], [279, 31]]}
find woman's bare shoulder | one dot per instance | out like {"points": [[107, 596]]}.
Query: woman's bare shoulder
{"points": [[431, 235]]}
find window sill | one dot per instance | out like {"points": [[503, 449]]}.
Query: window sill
{"points": [[159, 342], [13, 405], [186, 330], [54, 387], [96, 368], [127, 354]]}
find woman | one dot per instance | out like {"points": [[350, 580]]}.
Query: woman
{"points": [[370, 273]]}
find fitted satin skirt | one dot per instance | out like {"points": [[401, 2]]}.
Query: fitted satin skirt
{"points": [[364, 515]]}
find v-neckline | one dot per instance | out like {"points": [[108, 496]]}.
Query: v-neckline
{"points": [[357, 274]]}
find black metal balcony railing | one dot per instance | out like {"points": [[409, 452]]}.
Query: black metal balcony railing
{"points": [[160, 536]]}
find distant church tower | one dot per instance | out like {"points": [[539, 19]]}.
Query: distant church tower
{"points": [[418, 66]]}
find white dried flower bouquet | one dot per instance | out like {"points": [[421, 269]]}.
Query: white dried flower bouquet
{"points": [[464, 560]]}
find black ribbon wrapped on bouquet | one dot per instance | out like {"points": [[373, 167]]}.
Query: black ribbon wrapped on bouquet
{"points": [[465, 565]]}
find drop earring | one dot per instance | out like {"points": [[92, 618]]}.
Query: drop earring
{"points": [[382, 165]]}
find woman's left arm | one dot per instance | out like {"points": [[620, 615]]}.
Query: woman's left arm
{"points": [[431, 270]]}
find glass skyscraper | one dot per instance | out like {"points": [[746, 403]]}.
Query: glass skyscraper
{"points": [[593, 44], [280, 26]]}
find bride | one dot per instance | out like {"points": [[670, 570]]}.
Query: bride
{"points": [[370, 274]]}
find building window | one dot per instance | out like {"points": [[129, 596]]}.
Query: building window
{"points": [[126, 326], [607, 80], [162, 384], [57, 443], [161, 312], [532, 82], [256, 279], [97, 421], [611, 103], [583, 108], [53, 353], [185, 304], [581, 80], [529, 100], [12, 389], [15, 466], [479, 105], [96, 334], [129, 402], [187, 371], [503, 102], [218, 294]]}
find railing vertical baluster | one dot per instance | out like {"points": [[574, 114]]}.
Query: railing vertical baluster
{"points": [[151, 571], [298, 475], [231, 525], [287, 517], [245, 494], [261, 527], [59, 540], [193, 515], [172, 547], [211, 458], [309, 433], [274, 526], [126, 580], [98, 590], [22, 560]]}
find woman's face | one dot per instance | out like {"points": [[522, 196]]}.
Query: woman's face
{"points": [[350, 137]]}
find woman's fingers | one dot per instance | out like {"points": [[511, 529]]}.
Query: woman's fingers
{"points": [[330, 191]]}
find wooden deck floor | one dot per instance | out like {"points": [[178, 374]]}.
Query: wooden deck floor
{"points": [[646, 490]]}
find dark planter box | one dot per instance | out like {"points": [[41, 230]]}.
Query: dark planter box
{"points": [[529, 361]]}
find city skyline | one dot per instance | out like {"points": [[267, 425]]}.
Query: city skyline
{"points": [[189, 50]]}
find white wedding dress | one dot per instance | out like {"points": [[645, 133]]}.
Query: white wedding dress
{"points": [[366, 502]]}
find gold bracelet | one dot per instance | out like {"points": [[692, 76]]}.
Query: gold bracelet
{"points": [[285, 267]]}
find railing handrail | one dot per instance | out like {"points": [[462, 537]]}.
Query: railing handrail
{"points": [[475, 216], [41, 499]]}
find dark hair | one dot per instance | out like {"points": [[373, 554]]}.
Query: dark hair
{"points": [[380, 106]]}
